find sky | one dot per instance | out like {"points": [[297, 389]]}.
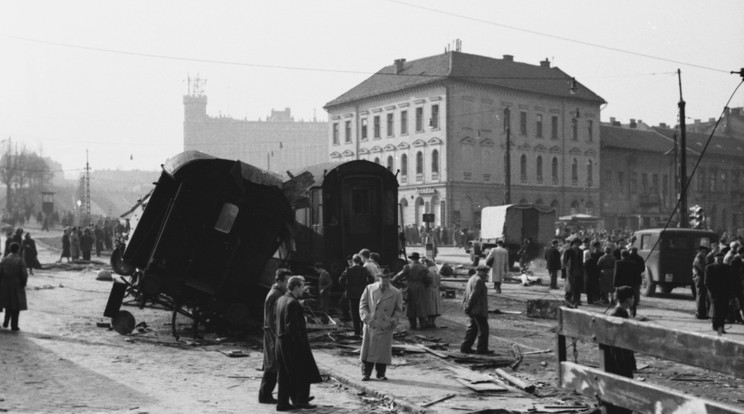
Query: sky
{"points": [[107, 78]]}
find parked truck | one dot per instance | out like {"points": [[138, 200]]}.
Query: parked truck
{"points": [[513, 224]]}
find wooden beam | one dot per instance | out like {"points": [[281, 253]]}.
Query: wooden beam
{"points": [[690, 348], [635, 395]]}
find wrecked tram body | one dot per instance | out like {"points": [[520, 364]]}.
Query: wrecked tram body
{"points": [[203, 240], [206, 241]]}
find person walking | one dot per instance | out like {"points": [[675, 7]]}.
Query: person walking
{"points": [[98, 235], [417, 305], [13, 279], [268, 381], [325, 283], [296, 367], [606, 265], [573, 259], [30, 254], [65, 245], [475, 305], [498, 260], [86, 244], [702, 303], [553, 263], [354, 279], [380, 308]]}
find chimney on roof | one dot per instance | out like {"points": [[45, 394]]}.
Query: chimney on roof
{"points": [[545, 63], [697, 122], [612, 120], [399, 65], [663, 125], [711, 120], [509, 58], [633, 123]]}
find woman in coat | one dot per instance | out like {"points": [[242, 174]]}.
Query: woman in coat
{"points": [[606, 266], [13, 278], [65, 246], [30, 254], [380, 309], [435, 300]]}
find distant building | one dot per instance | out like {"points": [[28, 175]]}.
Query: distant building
{"points": [[640, 181], [441, 123], [731, 125], [278, 144]]}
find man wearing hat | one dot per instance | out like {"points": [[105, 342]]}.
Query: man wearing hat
{"points": [[573, 262], [475, 305], [698, 276], [417, 293], [354, 279], [380, 308], [620, 361], [718, 283]]}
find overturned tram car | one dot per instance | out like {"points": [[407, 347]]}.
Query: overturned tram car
{"points": [[208, 238]]}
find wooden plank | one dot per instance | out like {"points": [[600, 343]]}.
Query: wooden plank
{"points": [[481, 386], [691, 348], [433, 352], [438, 400], [517, 382], [635, 395]]}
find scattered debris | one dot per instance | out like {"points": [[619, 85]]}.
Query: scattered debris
{"points": [[438, 400], [481, 386], [530, 388], [236, 353], [543, 308]]}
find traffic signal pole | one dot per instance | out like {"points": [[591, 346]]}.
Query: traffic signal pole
{"points": [[682, 212]]}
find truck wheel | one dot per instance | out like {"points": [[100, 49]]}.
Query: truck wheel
{"points": [[123, 322], [648, 286]]}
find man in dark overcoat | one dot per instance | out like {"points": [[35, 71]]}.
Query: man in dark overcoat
{"points": [[354, 279], [717, 280], [573, 262], [418, 280], [617, 360], [640, 268], [268, 382], [13, 278], [553, 263], [295, 363], [627, 274]]}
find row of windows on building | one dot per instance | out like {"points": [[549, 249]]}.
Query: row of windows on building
{"points": [[434, 125], [716, 180], [468, 176], [376, 129]]}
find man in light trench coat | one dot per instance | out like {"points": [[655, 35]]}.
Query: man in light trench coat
{"points": [[498, 260], [380, 309]]}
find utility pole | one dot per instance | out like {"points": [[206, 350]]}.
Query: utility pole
{"points": [[682, 217], [507, 157]]}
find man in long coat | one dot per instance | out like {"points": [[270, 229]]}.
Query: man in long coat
{"points": [[628, 273], [573, 262], [553, 263], [702, 304], [475, 305], [641, 267], [354, 279], [498, 259], [295, 364], [717, 280], [418, 281], [13, 278], [268, 382], [380, 308]]}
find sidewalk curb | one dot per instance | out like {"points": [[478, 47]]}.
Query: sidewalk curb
{"points": [[405, 405]]}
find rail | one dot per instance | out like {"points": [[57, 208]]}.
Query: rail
{"points": [[690, 348]]}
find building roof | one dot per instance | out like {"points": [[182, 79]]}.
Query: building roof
{"points": [[634, 139], [469, 68], [719, 145]]}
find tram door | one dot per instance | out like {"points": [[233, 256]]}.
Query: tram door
{"points": [[361, 214]]}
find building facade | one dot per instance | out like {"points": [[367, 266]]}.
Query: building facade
{"points": [[277, 144], [640, 181], [441, 123]]}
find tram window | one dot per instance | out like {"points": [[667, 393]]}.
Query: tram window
{"points": [[360, 202], [227, 218]]}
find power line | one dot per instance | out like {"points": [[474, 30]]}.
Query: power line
{"points": [[566, 39]]}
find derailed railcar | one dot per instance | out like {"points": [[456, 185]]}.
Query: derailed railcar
{"points": [[350, 206], [204, 238]]}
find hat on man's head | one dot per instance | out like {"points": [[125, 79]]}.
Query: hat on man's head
{"points": [[483, 267], [414, 256]]}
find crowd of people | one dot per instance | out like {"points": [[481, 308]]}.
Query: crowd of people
{"points": [[78, 242]]}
